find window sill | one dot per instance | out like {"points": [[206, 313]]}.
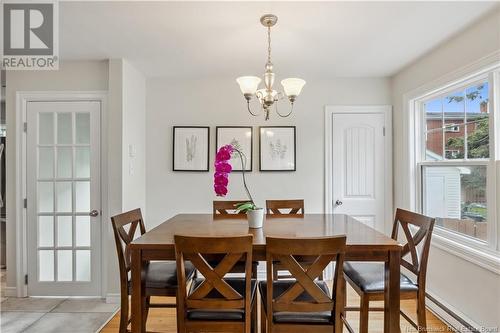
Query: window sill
{"points": [[487, 259]]}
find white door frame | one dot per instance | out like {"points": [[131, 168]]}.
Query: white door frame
{"points": [[22, 99], [386, 110]]}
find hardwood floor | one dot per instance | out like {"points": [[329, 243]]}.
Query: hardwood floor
{"points": [[163, 320]]}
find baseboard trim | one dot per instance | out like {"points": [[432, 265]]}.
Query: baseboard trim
{"points": [[455, 319], [10, 291], [113, 298]]}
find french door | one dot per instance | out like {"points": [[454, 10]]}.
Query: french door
{"points": [[63, 198]]}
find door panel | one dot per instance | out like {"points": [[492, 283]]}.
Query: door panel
{"points": [[63, 186], [358, 157]]}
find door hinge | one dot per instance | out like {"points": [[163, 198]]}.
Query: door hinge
{"points": [[383, 131], [25, 127], [25, 203], [26, 279]]}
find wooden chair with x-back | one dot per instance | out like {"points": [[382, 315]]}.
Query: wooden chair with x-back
{"points": [[227, 208], [160, 277], [367, 279], [286, 208], [215, 303], [303, 304]]}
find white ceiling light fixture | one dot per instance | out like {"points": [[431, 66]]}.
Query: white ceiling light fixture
{"points": [[268, 96]]}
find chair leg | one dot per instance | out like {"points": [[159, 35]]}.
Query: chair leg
{"points": [[344, 292], [146, 308], [363, 314], [124, 314], [147, 302], [254, 315], [180, 317], [421, 317], [263, 320], [342, 303]]}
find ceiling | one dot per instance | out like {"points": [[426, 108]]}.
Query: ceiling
{"points": [[225, 39]]}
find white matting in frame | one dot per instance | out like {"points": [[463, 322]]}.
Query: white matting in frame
{"points": [[191, 146], [277, 148]]}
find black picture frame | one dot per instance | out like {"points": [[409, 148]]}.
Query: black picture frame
{"points": [[264, 166], [203, 166], [237, 166]]}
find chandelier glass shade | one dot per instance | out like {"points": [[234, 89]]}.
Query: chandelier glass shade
{"points": [[267, 96]]}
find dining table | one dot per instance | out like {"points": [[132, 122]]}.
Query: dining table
{"points": [[363, 243]]}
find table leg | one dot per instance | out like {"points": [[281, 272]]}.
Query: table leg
{"points": [[138, 324], [392, 291]]}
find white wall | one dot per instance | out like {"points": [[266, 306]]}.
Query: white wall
{"points": [[134, 137], [127, 188], [472, 290], [219, 102], [71, 76]]}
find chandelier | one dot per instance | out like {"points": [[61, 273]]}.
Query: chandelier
{"points": [[267, 96]]}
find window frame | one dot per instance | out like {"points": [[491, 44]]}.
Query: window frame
{"points": [[486, 254]]}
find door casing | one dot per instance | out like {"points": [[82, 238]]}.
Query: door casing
{"points": [[22, 98]]}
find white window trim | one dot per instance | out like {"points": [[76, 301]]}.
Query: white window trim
{"points": [[484, 255]]}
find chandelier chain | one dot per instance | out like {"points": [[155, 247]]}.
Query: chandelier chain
{"points": [[269, 44]]}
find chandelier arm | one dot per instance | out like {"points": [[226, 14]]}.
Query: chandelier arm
{"points": [[284, 116], [250, 111]]}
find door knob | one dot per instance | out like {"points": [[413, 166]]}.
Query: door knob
{"points": [[338, 203], [94, 213]]}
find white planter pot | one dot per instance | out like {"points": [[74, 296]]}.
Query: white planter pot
{"points": [[255, 218]]}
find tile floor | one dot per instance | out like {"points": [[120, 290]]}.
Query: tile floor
{"points": [[58, 315]]}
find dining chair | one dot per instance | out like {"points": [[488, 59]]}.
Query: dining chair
{"points": [[285, 207], [367, 279], [222, 208], [160, 277], [303, 304], [215, 303], [227, 208]]}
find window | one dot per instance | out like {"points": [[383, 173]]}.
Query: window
{"points": [[455, 159]]}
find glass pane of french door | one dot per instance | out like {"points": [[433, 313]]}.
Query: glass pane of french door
{"points": [[63, 179]]}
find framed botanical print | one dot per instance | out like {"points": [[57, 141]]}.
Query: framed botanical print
{"points": [[241, 137], [277, 148], [191, 148]]}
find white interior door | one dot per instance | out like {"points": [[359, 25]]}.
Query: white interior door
{"points": [[358, 166], [63, 198]]}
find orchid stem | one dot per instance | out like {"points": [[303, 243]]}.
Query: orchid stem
{"points": [[243, 165]]}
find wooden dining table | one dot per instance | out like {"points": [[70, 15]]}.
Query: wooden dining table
{"points": [[363, 244]]}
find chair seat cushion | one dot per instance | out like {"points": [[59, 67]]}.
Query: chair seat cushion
{"points": [[279, 287], [369, 277], [163, 275], [237, 284]]}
